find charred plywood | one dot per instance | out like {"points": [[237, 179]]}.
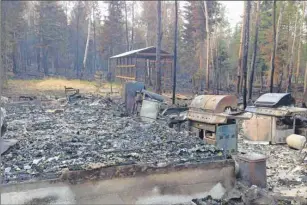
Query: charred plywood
{"points": [[266, 129], [258, 128]]}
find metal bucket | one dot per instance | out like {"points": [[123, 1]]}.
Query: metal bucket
{"points": [[149, 110]]}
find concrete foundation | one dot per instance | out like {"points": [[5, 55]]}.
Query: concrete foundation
{"points": [[165, 187]]}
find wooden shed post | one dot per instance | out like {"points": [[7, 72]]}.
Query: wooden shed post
{"points": [[116, 69], [129, 60], [124, 68], [120, 70], [132, 68], [150, 72], [146, 71], [136, 67]]}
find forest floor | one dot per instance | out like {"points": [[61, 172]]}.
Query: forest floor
{"points": [[54, 136], [54, 86]]}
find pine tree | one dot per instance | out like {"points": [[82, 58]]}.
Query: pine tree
{"points": [[113, 29], [51, 32], [13, 27]]}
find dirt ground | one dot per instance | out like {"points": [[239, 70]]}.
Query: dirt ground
{"points": [[286, 174]]}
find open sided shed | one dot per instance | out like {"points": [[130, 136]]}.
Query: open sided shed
{"points": [[140, 65]]}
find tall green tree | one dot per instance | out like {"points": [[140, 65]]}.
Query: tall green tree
{"points": [[13, 27], [113, 29], [51, 32]]}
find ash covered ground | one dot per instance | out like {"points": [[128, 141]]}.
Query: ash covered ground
{"points": [[90, 131], [95, 131], [286, 174]]}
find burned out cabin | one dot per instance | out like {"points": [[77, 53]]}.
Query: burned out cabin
{"points": [[140, 65]]}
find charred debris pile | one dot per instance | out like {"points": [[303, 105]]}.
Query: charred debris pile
{"points": [[87, 130]]}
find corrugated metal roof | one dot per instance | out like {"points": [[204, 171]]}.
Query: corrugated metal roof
{"points": [[128, 53]]}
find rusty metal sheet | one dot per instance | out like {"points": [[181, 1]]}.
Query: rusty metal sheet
{"points": [[214, 103]]}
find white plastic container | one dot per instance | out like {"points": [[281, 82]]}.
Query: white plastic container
{"points": [[296, 141], [149, 110]]}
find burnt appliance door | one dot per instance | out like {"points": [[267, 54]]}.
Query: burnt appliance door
{"points": [[226, 138]]}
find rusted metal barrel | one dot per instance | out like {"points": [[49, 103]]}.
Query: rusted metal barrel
{"points": [[252, 169], [296, 141]]}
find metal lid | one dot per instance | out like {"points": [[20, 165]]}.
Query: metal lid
{"points": [[274, 100], [214, 103], [252, 157], [152, 95]]}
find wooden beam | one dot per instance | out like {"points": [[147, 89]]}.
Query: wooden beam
{"points": [[166, 61], [125, 66], [124, 77], [153, 54]]}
